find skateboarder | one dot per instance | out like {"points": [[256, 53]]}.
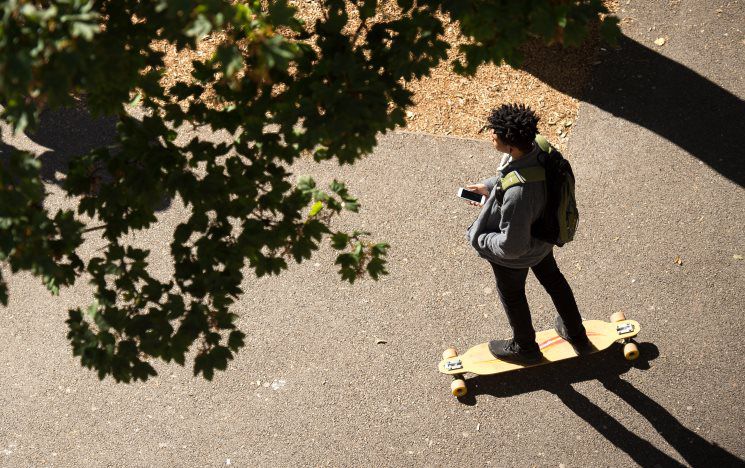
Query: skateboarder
{"points": [[501, 235]]}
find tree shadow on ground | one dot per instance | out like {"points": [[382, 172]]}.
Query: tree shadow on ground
{"points": [[65, 133], [607, 369], [637, 84]]}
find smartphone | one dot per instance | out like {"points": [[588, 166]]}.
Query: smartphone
{"points": [[471, 196]]}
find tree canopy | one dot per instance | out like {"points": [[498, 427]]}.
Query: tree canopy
{"points": [[281, 88]]}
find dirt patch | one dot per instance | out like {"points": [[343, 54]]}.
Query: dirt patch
{"points": [[448, 104]]}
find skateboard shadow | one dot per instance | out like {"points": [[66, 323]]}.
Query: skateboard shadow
{"points": [[558, 379], [642, 86]]}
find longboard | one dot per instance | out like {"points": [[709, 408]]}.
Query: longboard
{"points": [[480, 361]]}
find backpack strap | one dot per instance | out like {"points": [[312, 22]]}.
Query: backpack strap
{"points": [[543, 143], [522, 176]]}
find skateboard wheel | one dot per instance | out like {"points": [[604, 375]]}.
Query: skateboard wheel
{"points": [[458, 387], [617, 317], [449, 353], [630, 351]]}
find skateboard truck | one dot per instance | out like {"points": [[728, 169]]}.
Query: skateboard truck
{"points": [[624, 328], [454, 365]]}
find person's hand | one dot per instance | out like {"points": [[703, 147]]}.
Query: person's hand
{"points": [[480, 189]]}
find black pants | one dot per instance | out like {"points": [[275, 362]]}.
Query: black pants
{"points": [[511, 288]]}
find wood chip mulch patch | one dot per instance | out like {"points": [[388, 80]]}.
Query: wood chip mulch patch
{"points": [[447, 104]]}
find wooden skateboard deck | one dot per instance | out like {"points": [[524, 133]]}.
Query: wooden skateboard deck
{"points": [[479, 360]]}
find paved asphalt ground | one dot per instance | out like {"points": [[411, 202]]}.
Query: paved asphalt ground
{"points": [[658, 154]]}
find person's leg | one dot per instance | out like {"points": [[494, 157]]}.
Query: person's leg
{"points": [[548, 274], [511, 290]]}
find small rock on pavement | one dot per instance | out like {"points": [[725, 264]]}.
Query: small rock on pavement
{"points": [[660, 41]]}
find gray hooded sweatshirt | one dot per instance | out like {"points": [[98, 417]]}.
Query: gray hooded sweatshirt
{"points": [[501, 233]]}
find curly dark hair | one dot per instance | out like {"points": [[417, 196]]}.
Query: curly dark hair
{"points": [[515, 124]]}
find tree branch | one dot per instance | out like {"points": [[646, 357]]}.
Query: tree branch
{"points": [[97, 228]]}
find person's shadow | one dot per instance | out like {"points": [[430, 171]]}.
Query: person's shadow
{"points": [[558, 379], [639, 85], [65, 133]]}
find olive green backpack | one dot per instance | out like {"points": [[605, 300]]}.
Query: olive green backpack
{"points": [[558, 222]]}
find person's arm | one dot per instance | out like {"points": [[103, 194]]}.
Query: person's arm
{"points": [[513, 240], [481, 188], [490, 183]]}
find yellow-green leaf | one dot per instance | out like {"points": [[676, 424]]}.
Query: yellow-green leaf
{"points": [[315, 208]]}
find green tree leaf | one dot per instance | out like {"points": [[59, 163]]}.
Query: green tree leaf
{"points": [[317, 206]]}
